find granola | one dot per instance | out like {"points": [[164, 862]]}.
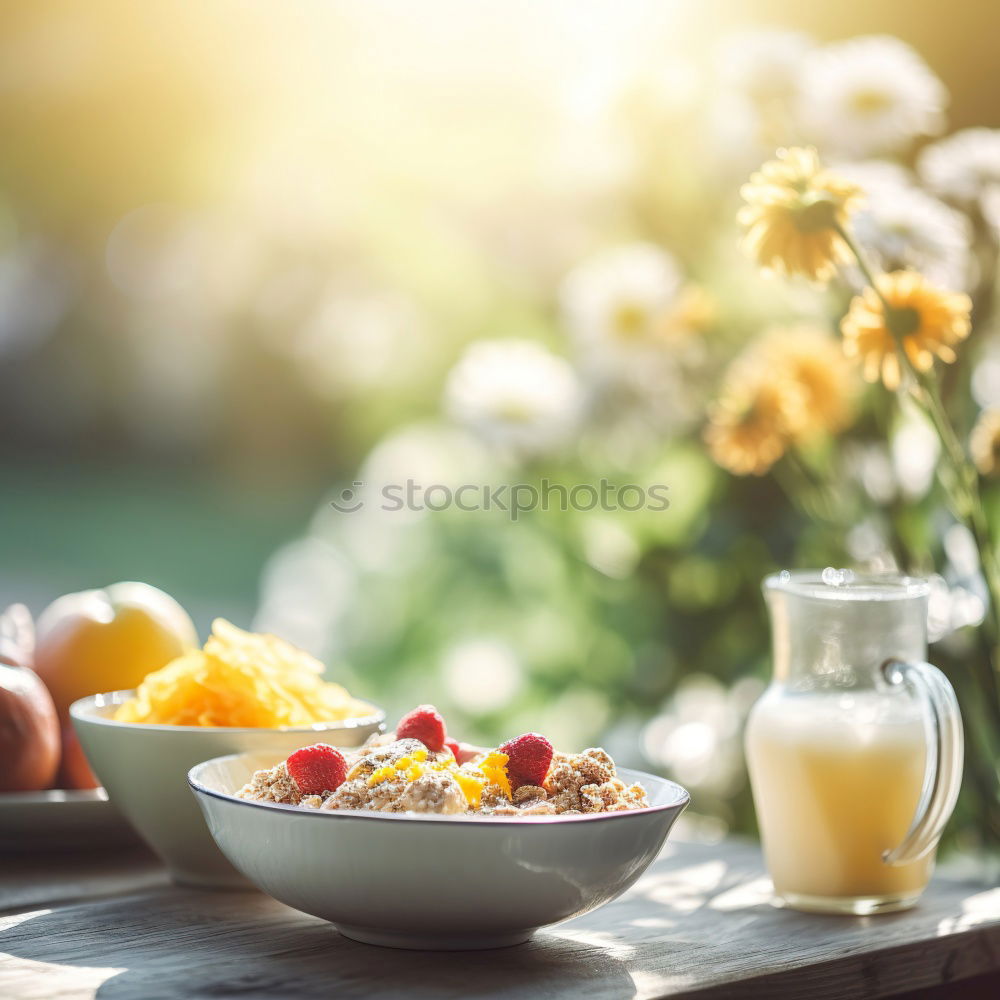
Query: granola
{"points": [[394, 774]]}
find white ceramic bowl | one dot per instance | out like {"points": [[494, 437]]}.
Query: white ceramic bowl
{"points": [[144, 771], [433, 882]]}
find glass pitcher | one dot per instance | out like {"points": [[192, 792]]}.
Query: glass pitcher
{"points": [[855, 749]]}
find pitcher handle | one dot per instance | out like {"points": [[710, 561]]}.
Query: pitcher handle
{"points": [[945, 754]]}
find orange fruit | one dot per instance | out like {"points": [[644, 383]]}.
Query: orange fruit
{"points": [[107, 640], [74, 770]]}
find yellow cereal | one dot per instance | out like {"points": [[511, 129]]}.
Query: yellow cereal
{"points": [[381, 774], [240, 679], [472, 787], [494, 767]]}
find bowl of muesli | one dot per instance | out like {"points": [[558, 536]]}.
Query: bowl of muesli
{"points": [[415, 841]]}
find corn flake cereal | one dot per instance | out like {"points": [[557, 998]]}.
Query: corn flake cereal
{"points": [[241, 679]]}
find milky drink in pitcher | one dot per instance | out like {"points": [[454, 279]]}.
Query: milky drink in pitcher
{"points": [[855, 749]]}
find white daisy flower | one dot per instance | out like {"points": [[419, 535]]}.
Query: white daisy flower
{"points": [[625, 311], [903, 226], [867, 96], [871, 174], [965, 166], [614, 304], [757, 73], [765, 64], [515, 395], [375, 518]]}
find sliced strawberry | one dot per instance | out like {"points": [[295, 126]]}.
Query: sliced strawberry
{"points": [[424, 723], [529, 758], [452, 745], [467, 752], [317, 769]]}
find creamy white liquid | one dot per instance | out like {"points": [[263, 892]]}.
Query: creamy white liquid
{"points": [[836, 781]]}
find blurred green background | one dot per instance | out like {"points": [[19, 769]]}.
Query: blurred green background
{"points": [[245, 248]]}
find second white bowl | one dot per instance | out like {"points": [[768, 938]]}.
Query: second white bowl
{"points": [[144, 771]]}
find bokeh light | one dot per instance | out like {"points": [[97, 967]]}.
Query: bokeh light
{"points": [[260, 261]]}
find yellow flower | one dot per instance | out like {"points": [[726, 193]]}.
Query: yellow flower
{"points": [[788, 386], [759, 413], [984, 442], [926, 321], [693, 312], [793, 207], [814, 361]]}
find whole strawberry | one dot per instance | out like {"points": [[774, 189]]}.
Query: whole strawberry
{"points": [[424, 723], [317, 769], [529, 758]]}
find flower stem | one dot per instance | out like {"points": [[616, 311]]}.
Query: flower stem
{"points": [[959, 480], [862, 264], [964, 491]]}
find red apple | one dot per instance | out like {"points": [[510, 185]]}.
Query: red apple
{"points": [[74, 770], [29, 726]]}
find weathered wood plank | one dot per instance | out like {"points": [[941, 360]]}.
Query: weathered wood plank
{"points": [[36, 880], [698, 924]]}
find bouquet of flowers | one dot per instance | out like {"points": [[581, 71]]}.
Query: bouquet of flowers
{"points": [[638, 365], [900, 327]]}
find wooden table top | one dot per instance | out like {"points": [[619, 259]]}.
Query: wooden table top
{"points": [[697, 924]]}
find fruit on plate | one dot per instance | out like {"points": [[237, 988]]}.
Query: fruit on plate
{"points": [[74, 770], [107, 640], [29, 731], [29, 727]]}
